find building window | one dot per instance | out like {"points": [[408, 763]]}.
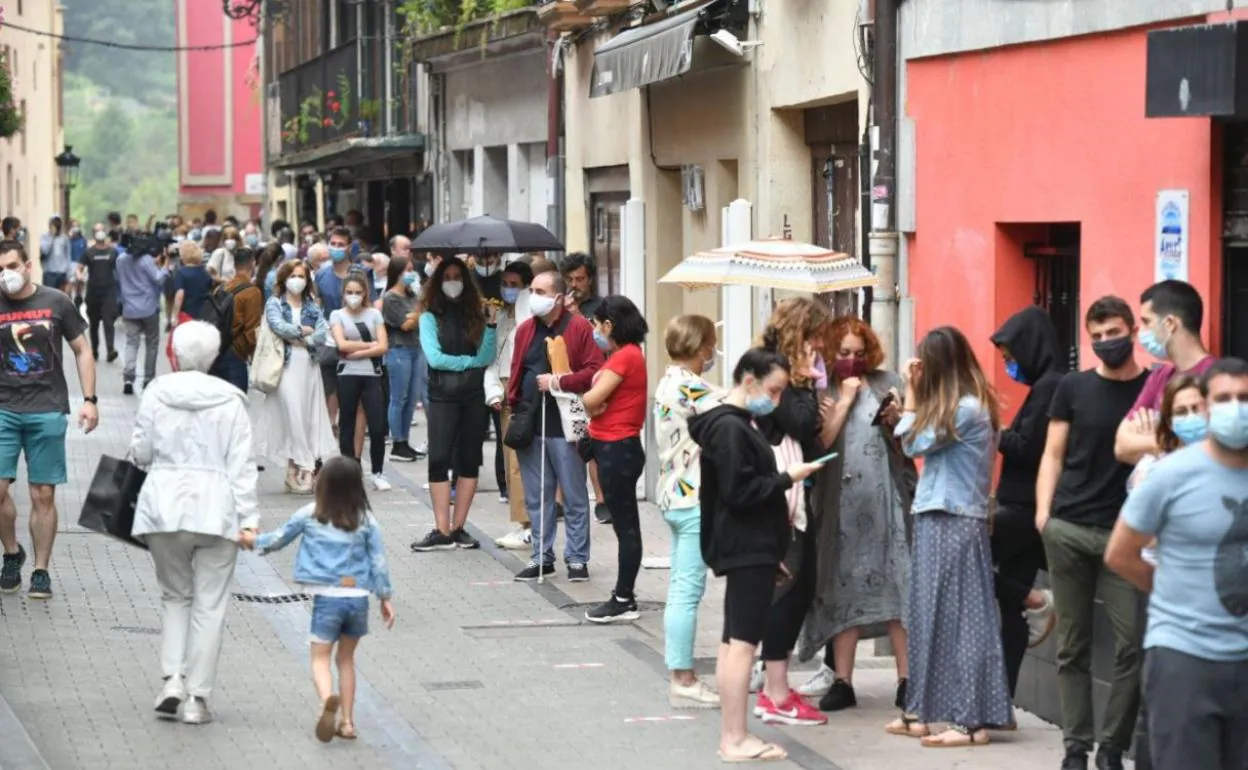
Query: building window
{"points": [[9, 200], [23, 114], [34, 195], [19, 7]]}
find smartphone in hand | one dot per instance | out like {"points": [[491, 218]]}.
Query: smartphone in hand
{"points": [[887, 402]]}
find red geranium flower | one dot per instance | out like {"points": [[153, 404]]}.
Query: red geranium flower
{"points": [[330, 94], [327, 122]]}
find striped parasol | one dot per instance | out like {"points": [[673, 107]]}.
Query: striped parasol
{"points": [[776, 263]]}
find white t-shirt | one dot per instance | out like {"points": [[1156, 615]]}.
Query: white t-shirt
{"points": [[372, 320]]}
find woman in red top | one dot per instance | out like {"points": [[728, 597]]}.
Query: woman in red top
{"points": [[617, 410]]}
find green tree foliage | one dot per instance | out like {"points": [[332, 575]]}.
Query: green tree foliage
{"points": [[148, 77]]}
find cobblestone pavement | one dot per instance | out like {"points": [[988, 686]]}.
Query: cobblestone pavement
{"points": [[479, 672]]}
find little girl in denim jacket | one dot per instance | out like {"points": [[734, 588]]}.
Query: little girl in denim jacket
{"points": [[340, 562]]}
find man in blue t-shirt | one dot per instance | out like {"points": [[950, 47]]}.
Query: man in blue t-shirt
{"points": [[1195, 503]]}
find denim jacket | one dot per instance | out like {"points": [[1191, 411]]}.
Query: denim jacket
{"points": [[957, 470], [280, 317], [329, 556]]}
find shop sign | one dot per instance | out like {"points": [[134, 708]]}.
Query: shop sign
{"points": [[1173, 236]]}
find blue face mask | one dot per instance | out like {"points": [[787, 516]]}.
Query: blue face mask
{"points": [[1011, 369], [337, 253], [1228, 424], [1154, 347], [760, 406], [510, 294], [602, 342], [1190, 428], [409, 279]]}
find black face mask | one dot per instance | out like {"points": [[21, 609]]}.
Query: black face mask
{"points": [[1114, 353]]}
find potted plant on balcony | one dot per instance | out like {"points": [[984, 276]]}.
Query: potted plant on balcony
{"points": [[10, 116], [370, 113]]}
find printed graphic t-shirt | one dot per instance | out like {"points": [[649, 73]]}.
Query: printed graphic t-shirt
{"points": [[626, 408], [680, 395], [32, 333], [1197, 508]]}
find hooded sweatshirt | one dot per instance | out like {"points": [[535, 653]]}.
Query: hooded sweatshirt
{"points": [[745, 515], [1030, 339], [192, 435]]}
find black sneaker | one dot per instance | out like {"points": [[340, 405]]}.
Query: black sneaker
{"points": [[1076, 759], [839, 697], [41, 587], [900, 701], [614, 610], [1108, 758], [531, 572], [602, 513], [464, 540], [112, 356], [11, 571], [127, 389], [402, 453], [578, 573], [434, 541]]}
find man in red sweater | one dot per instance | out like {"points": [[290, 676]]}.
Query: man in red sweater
{"points": [[528, 391]]}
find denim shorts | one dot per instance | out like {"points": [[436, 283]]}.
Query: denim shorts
{"points": [[337, 616]]}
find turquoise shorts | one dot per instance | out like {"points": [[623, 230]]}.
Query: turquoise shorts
{"points": [[41, 437]]}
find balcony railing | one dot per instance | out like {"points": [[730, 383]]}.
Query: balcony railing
{"points": [[321, 99]]}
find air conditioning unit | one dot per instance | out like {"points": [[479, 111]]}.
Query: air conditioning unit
{"points": [[693, 187]]}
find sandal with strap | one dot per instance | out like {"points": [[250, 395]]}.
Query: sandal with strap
{"points": [[908, 726], [966, 738], [346, 731]]}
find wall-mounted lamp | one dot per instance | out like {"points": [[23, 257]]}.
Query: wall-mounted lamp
{"points": [[732, 43]]}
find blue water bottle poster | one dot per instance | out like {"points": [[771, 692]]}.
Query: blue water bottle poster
{"points": [[1173, 234]]}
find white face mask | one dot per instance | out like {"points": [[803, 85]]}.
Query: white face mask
{"points": [[541, 306], [13, 281], [353, 301], [453, 289], [229, 244], [100, 236], [296, 285], [486, 271]]}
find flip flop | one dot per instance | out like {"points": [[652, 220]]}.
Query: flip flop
{"points": [[326, 726], [342, 733], [769, 752], [971, 742]]}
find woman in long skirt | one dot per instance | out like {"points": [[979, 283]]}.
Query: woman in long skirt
{"points": [[293, 423], [957, 666]]}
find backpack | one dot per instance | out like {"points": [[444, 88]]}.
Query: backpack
{"points": [[218, 310]]}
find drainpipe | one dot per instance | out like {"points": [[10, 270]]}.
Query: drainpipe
{"points": [[882, 247], [554, 139]]}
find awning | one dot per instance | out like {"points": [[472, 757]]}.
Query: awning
{"points": [[643, 55]]}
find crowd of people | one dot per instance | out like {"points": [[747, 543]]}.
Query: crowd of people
{"points": [[797, 483]]}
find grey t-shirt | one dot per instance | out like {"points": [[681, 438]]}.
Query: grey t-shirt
{"points": [[371, 319], [1197, 508], [32, 333], [395, 307]]}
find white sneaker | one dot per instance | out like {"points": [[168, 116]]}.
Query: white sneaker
{"points": [[695, 696], [819, 684], [519, 540], [756, 677], [422, 448], [195, 711], [1041, 621], [380, 484], [171, 697]]}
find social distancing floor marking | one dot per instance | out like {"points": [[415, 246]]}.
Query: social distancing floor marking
{"points": [[580, 665], [672, 718]]}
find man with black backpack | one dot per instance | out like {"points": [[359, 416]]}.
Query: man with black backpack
{"points": [[235, 308]]}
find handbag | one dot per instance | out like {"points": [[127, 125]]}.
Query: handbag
{"points": [[269, 360], [110, 501], [572, 414], [521, 426]]}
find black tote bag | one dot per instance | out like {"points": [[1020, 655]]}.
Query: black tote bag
{"points": [[109, 506]]}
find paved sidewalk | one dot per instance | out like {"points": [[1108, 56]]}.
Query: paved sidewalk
{"points": [[479, 672]]}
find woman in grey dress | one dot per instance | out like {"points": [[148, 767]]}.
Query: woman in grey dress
{"points": [[864, 564], [957, 665]]}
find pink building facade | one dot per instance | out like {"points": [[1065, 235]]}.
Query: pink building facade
{"points": [[220, 155]]}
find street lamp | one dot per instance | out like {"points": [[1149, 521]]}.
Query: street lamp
{"points": [[67, 173]]}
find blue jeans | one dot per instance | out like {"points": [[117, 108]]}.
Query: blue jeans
{"points": [[566, 470], [407, 372], [230, 368], [686, 585]]}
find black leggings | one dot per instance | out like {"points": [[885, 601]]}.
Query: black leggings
{"points": [[747, 596], [456, 433], [620, 464], [102, 310], [788, 611], [353, 390], [1017, 554]]}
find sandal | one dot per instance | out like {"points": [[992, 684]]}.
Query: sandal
{"points": [[325, 725], [966, 738], [346, 731], [908, 726], [767, 752]]}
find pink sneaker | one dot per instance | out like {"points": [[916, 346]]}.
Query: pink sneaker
{"points": [[763, 704], [794, 711]]}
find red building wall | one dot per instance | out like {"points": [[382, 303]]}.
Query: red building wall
{"points": [[219, 112], [1048, 132]]}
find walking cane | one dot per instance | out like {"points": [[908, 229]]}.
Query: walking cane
{"points": [[541, 505]]}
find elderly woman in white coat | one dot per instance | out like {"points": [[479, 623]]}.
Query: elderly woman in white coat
{"points": [[193, 436]]}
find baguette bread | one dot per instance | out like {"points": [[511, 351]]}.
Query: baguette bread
{"points": [[557, 354]]}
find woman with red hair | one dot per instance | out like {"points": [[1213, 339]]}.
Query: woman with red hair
{"points": [[864, 564]]}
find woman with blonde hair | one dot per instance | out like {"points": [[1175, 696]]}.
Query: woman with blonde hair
{"points": [[191, 284], [957, 663]]}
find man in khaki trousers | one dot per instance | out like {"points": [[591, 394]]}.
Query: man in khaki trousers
{"points": [[516, 277]]}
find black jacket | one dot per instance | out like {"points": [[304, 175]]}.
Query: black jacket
{"points": [[745, 516], [796, 416], [1030, 339]]}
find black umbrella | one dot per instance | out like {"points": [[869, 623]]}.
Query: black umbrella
{"points": [[480, 235]]}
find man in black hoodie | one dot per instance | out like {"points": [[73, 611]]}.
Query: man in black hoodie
{"points": [[1028, 343]]}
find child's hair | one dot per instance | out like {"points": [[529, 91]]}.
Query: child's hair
{"points": [[340, 496], [687, 335]]}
